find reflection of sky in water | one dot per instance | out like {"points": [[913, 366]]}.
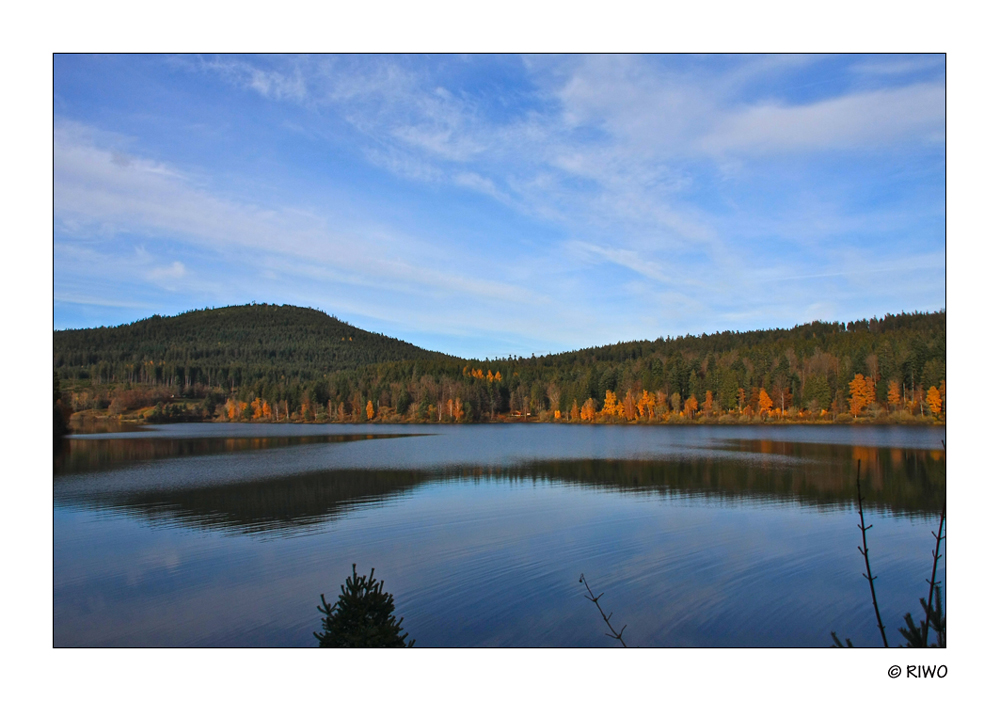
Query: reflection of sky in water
{"points": [[492, 560]]}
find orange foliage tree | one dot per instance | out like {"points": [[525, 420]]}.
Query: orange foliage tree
{"points": [[691, 406], [893, 395], [934, 400], [370, 410], [610, 408], [862, 393], [589, 410], [646, 405], [765, 401], [628, 406]]}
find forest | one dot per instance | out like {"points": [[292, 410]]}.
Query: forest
{"points": [[270, 363]]}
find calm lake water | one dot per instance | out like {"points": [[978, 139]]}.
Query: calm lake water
{"points": [[225, 535]]}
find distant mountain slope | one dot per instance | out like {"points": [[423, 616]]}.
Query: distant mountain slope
{"points": [[247, 341]]}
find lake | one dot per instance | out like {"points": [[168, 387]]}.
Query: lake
{"points": [[226, 534]]}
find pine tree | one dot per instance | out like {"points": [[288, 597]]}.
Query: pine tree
{"points": [[362, 617]]}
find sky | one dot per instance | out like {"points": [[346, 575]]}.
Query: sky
{"points": [[493, 205]]}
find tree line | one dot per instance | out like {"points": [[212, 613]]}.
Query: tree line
{"points": [[885, 369]]}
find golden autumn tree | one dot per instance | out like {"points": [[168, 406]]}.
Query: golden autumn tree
{"points": [[370, 410], [859, 394], [589, 410], [765, 401], [691, 406], [870, 390], [934, 400], [707, 406], [574, 412], [610, 408], [893, 395], [646, 405], [628, 406]]}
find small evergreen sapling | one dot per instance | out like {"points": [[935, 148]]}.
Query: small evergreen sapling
{"points": [[361, 617]]}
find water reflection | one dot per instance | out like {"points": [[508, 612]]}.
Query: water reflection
{"points": [[910, 481], [98, 455], [702, 536]]}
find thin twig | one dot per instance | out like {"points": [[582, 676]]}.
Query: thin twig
{"points": [[937, 556], [864, 541], [607, 618]]}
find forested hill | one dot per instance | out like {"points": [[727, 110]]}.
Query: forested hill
{"points": [[270, 363], [226, 346]]}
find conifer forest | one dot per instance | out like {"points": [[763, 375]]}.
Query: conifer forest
{"points": [[270, 363]]}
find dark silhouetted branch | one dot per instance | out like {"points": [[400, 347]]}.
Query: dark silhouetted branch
{"points": [[607, 617], [838, 644], [864, 552]]}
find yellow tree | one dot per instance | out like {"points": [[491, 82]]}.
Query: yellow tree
{"points": [[691, 406], [628, 406], [870, 390], [765, 401], [610, 408], [646, 404], [370, 410], [893, 395], [859, 394], [588, 411], [934, 400]]}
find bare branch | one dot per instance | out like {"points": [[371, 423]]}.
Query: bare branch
{"points": [[607, 618], [864, 552]]}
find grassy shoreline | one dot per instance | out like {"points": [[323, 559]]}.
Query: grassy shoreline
{"points": [[93, 418]]}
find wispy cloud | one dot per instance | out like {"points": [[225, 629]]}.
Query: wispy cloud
{"points": [[688, 192], [873, 119]]}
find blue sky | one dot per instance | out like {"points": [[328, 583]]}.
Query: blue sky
{"points": [[495, 205]]}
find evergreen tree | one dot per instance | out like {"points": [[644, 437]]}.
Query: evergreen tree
{"points": [[362, 617]]}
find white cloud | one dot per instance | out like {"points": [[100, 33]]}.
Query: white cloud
{"points": [[124, 196], [274, 84], [872, 119], [615, 155], [174, 271]]}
